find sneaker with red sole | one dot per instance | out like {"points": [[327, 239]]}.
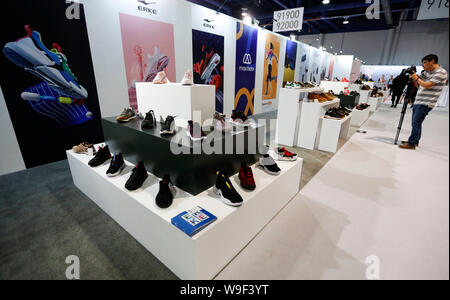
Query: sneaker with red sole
{"points": [[283, 154], [246, 177]]}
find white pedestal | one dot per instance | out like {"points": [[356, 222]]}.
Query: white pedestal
{"points": [[177, 100], [208, 252], [369, 83], [336, 86], [359, 117], [310, 114], [364, 96], [288, 119], [330, 132], [355, 87], [374, 103]]}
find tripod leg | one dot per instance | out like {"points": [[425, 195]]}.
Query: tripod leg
{"points": [[400, 123]]}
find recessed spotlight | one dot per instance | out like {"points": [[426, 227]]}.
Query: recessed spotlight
{"points": [[326, 1], [345, 22]]}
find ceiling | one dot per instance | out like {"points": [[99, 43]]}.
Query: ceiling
{"points": [[320, 18]]}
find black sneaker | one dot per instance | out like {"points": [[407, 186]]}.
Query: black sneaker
{"points": [[195, 131], [168, 126], [226, 191], [150, 120], [117, 165], [137, 178], [239, 118], [102, 155], [269, 165], [166, 193]]}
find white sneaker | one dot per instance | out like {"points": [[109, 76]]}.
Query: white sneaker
{"points": [[161, 78], [188, 78]]}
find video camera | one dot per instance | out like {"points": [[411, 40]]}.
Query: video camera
{"points": [[411, 70]]}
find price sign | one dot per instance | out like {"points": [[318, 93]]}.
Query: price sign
{"points": [[433, 9], [288, 20]]}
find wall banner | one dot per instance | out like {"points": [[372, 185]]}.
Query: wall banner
{"points": [[246, 46]]}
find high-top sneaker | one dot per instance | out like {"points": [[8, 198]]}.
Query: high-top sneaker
{"points": [[269, 165], [102, 155], [195, 131], [246, 177], [226, 191], [168, 126], [149, 121], [137, 178], [188, 78], [166, 193], [117, 165]]}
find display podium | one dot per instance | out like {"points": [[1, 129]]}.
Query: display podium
{"points": [[331, 131], [311, 113], [364, 96], [359, 117], [177, 100], [289, 112], [374, 103], [203, 256], [191, 165], [336, 86]]}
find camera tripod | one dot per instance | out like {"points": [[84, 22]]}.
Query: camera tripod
{"points": [[402, 117]]}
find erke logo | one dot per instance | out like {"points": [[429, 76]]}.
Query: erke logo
{"points": [[207, 23], [146, 9], [247, 59]]}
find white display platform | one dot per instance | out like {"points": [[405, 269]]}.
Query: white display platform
{"points": [[336, 86], [310, 115], [359, 117], [364, 96], [208, 252], [289, 106], [177, 100], [374, 103], [330, 132], [355, 87], [369, 83]]}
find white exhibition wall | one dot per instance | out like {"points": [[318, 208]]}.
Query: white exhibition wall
{"points": [[343, 66], [104, 30]]}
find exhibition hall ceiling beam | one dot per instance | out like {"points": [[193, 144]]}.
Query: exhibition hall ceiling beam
{"points": [[387, 11], [281, 4], [214, 4]]}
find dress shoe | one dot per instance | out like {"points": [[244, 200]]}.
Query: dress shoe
{"points": [[407, 146], [406, 142]]}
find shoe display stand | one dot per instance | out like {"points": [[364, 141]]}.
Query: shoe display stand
{"points": [[369, 83], [354, 87], [359, 117], [331, 131], [175, 99], [208, 252], [336, 86], [289, 111], [194, 171], [349, 101], [310, 115], [364, 96], [374, 103]]}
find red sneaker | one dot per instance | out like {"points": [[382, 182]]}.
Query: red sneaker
{"points": [[246, 177], [283, 154]]}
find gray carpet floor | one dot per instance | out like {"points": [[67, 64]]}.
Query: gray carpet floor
{"points": [[44, 219]]}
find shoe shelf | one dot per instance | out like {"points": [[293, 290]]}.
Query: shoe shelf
{"points": [[359, 117], [331, 130], [310, 115], [374, 103], [175, 99], [205, 254]]}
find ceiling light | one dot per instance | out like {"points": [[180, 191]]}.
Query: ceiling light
{"points": [[293, 37], [340, 51], [247, 20], [331, 47], [244, 14], [346, 21], [326, 1]]}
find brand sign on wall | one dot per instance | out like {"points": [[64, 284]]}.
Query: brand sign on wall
{"points": [[433, 9], [246, 46]]}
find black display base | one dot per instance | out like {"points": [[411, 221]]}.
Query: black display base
{"points": [[193, 170], [349, 101]]}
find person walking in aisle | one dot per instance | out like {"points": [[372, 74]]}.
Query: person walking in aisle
{"points": [[399, 84], [390, 84], [431, 83]]}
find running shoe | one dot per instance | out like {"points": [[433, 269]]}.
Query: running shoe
{"points": [[149, 121], [213, 63], [127, 115], [137, 178], [117, 165], [30, 53], [168, 126], [290, 85], [226, 191], [195, 131], [83, 148], [155, 64], [188, 78], [220, 124], [161, 78], [101, 157], [283, 154], [166, 193], [246, 177], [269, 165]]}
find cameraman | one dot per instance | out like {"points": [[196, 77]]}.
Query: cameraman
{"points": [[431, 83]]}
